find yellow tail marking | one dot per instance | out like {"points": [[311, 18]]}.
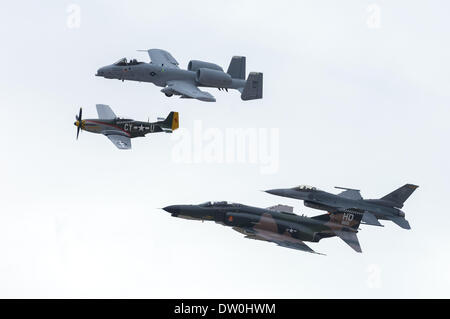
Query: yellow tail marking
{"points": [[175, 121]]}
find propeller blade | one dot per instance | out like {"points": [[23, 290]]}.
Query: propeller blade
{"points": [[78, 130], [81, 113]]}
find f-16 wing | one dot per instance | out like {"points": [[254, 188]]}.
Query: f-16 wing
{"points": [[188, 89], [280, 240], [122, 142], [162, 58], [350, 193]]}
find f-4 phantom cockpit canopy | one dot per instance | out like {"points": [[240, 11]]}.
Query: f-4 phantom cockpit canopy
{"points": [[124, 62], [217, 204], [305, 188]]}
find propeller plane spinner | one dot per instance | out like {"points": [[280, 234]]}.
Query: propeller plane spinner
{"points": [[120, 130]]}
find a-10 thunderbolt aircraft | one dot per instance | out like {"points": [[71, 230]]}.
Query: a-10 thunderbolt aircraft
{"points": [[350, 200], [163, 71], [276, 224], [121, 130]]}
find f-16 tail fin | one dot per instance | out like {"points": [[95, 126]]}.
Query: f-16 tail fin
{"points": [[399, 196], [171, 123], [253, 87], [237, 67]]}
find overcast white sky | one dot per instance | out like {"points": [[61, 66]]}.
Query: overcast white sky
{"points": [[357, 104]]}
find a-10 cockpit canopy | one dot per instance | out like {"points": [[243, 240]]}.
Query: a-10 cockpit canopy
{"points": [[306, 188], [217, 204], [124, 62]]}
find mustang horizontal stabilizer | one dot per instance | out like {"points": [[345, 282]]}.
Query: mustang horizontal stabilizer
{"points": [[370, 219]]}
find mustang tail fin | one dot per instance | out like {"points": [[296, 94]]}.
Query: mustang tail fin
{"points": [[253, 87], [237, 67], [399, 196], [171, 123]]}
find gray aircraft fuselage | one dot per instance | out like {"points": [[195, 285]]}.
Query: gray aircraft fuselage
{"points": [[247, 218], [329, 202], [158, 75]]}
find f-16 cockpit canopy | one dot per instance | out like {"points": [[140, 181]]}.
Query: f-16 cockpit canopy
{"points": [[217, 204], [306, 188], [124, 62]]}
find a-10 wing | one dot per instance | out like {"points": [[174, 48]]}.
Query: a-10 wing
{"points": [[162, 58], [189, 89]]}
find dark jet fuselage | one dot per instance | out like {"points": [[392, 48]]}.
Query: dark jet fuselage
{"points": [[249, 220], [386, 208]]}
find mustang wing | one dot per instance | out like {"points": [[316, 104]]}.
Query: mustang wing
{"points": [[105, 112], [122, 142], [162, 58], [188, 89]]}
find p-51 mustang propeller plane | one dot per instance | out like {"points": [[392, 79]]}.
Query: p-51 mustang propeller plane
{"points": [[121, 130], [163, 71]]}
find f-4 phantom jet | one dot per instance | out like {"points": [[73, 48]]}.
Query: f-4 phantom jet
{"points": [[276, 224], [350, 200], [121, 130], [163, 71]]}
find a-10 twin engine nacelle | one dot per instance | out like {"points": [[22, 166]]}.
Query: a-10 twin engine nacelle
{"points": [[208, 77], [195, 65]]}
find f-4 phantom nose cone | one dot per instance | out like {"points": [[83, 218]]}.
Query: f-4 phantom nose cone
{"points": [[174, 209]]}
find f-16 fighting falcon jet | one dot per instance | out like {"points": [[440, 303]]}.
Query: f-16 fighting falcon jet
{"points": [[120, 130], [163, 71], [276, 224], [350, 200]]}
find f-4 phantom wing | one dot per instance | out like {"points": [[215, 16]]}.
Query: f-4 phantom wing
{"points": [[280, 240], [188, 89], [122, 142], [162, 58]]}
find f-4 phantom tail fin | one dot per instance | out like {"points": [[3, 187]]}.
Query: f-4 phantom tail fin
{"points": [[253, 87], [399, 196]]}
